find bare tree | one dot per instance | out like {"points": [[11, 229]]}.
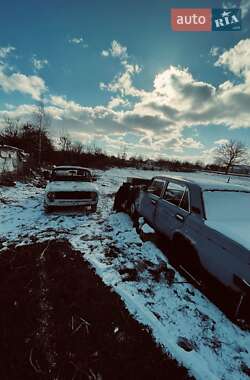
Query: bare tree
{"points": [[199, 164], [65, 142], [9, 134], [77, 148], [94, 149], [124, 153], [231, 153]]}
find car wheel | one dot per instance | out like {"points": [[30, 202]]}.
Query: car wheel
{"points": [[144, 236], [185, 255]]}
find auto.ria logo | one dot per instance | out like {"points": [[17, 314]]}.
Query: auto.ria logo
{"points": [[226, 19], [205, 19]]}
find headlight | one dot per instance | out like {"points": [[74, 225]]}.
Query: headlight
{"points": [[51, 196]]}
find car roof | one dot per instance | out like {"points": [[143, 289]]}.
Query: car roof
{"points": [[67, 167], [208, 183]]}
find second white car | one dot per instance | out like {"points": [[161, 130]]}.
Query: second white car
{"points": [[71, 186]]}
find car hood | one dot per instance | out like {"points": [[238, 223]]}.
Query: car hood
{"points": [[56, 186], [235, 230]]}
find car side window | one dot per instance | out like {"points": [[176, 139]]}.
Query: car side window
{"points": [[156, 187], [184, 203], [177, 195]]}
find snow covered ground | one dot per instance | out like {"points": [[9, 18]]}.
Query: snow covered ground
{"points": [[177, 315]]}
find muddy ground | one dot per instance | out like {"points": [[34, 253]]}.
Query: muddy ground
{"points": [[59, 321]]}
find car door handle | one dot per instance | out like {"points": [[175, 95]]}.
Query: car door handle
{"points": [[179, 217], [153, 201]]}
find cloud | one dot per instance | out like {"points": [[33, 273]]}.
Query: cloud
{"points": [[116, 50], [90, 119], [62, 102], [105, 53], [157, 118], [214, 51], [31, 85], [244, 6], [156, 133], [177, 85], [122, 82], [78, 41], [23, 112], [236, 59], [142, 122], [4, 51], [39, 64], [117, 102], [184, 101], [221, 142]]}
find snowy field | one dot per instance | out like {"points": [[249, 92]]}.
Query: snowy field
{"points": [[218, 349]]}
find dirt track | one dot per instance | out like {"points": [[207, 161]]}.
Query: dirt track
{"points": [[59, 321]]}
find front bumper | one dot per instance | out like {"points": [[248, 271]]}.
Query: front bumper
{"points": [[70, 203]]}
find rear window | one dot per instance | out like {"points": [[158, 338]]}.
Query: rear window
{"points": [[227, 205], [156, 187]]}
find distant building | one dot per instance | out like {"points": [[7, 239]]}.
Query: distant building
{"points": [[241, 169], [12, 159]]}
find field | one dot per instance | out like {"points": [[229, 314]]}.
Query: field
{"points": [[41, 290]]}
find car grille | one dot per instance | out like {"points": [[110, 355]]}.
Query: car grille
{"points": [[74, 195]]}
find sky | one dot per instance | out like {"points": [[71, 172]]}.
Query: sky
{"points": [[113, 73]]}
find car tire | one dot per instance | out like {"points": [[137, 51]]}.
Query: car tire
{"points": [[185, 255], [144, 236]]}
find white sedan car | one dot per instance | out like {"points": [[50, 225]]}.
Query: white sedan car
{"points": [[71, 186]]}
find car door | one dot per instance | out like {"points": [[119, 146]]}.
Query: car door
{"points": [[150, 198], [172, 209]]}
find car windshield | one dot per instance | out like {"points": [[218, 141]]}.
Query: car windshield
{"points": [[224, 205], [71, 175]]}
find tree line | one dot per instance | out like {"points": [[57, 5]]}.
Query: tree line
{"points": [[33, 137]]}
